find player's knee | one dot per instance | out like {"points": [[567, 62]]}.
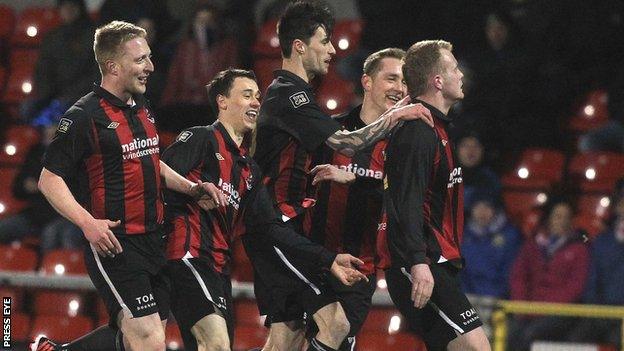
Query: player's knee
{"points": [[213, 344], [153, 340], [340, 326]]}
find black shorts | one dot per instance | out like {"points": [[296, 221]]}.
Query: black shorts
{"points": [[197, 291], [285, 288], [133, 280], [355, 300], [447, 315]]}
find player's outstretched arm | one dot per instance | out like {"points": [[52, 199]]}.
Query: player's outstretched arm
{"points": [[96, 231], [199, 191], [349, 142], [342, 269], [332, 173]]}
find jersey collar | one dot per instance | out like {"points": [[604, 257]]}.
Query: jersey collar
{"points": [[231, 144], [434, 111], [139, 100], [292, 77]]}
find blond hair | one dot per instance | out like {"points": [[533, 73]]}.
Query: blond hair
{"points": [[110, 37], [421, 61]]}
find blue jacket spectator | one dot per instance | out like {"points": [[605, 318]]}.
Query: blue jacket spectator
{"points": [[479, 179], [490, 245]]}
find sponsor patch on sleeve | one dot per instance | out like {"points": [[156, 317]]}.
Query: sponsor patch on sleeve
{"points": [[299, 99], [184, 136], [64, 124]]}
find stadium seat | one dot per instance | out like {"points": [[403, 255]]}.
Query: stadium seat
{"points": [[246, 313], [3, 75], [16, 295], [20, 81], [18, 140], [63, 262], [248, 337], [32, 24], [60, 328], [593, 205], [335, 94], [382, 320], [520, 203], [263, 68], [592, 112], [382, 342], [20, 326], [593, 225], [536, 169], [17, 258], [530, 222], [597, 171], [267, 42], [173, 339], [346, 36], [8, 204], [101, 313], [242, 270], [8, 22], [59, 303]]}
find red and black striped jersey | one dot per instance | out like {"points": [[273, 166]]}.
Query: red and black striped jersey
{"points": [[346, 216], [423, 197], [109, 151], [209, 154], [291, 127]]}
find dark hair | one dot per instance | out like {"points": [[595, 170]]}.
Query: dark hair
{"points": [[300, 20], [371, 64], [221, 84]]}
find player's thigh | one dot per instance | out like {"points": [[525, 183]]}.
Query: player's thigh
{"points": [[332, 318], [137, 329], [474, 340], [211, 333]]}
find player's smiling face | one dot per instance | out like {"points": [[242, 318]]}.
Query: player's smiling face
{"points": [[386, 87], [240, 109], [318, 53], [135, 65]]}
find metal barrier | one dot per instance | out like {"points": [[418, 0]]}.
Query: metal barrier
{"points": [[499, 317]]}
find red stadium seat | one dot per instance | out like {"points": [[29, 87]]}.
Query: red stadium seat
{"points": [[61, 328], [263, 68], [335, 94], [18, 140], [7, 24], [173, 339], [591, 224], [346, 36], [32, 24], [63, 262], [267, 42], [536, 169], [20, 326], [521, 203], [3, 76], [8, 204], [246, 313], [166, 139], [242, 270], [382, 320], [59, 303], [383, 342], [247, 337], [530, 222], [16, 295], [593, 205], [592, 113], [17, 258], [597, 171], [20, 82], [100, 311]]}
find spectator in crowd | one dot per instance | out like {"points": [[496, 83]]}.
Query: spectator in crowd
{"points": [[39, 216], [203, 52], [552, 267], [478, 178], [606, 279], [65, 69], [490, 246]]}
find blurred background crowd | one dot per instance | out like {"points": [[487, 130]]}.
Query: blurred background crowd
{"points": [[540, 134]]}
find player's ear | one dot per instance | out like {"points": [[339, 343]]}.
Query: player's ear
{"points": [[112, 67], [438, 81], [367, 82], [221, 102], [299, 47]]}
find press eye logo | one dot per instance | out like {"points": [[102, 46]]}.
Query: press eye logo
{"points": [[63, 126], [6, 322], [298, 99]]}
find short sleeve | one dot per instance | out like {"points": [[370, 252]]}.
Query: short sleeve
{"points": [[70, 145], [188, 151]]}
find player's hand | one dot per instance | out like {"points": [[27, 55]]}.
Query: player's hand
{"points": [[99, 234], [332, 173], [422, 284], [203, 191], [342, 269], [412, 112]]}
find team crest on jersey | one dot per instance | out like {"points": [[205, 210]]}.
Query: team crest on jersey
{"points": [[149, 117], [299, 99], [113, 125], [184, 136], [249, 182], [444, 142], [64, 124], [219, 157]]}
